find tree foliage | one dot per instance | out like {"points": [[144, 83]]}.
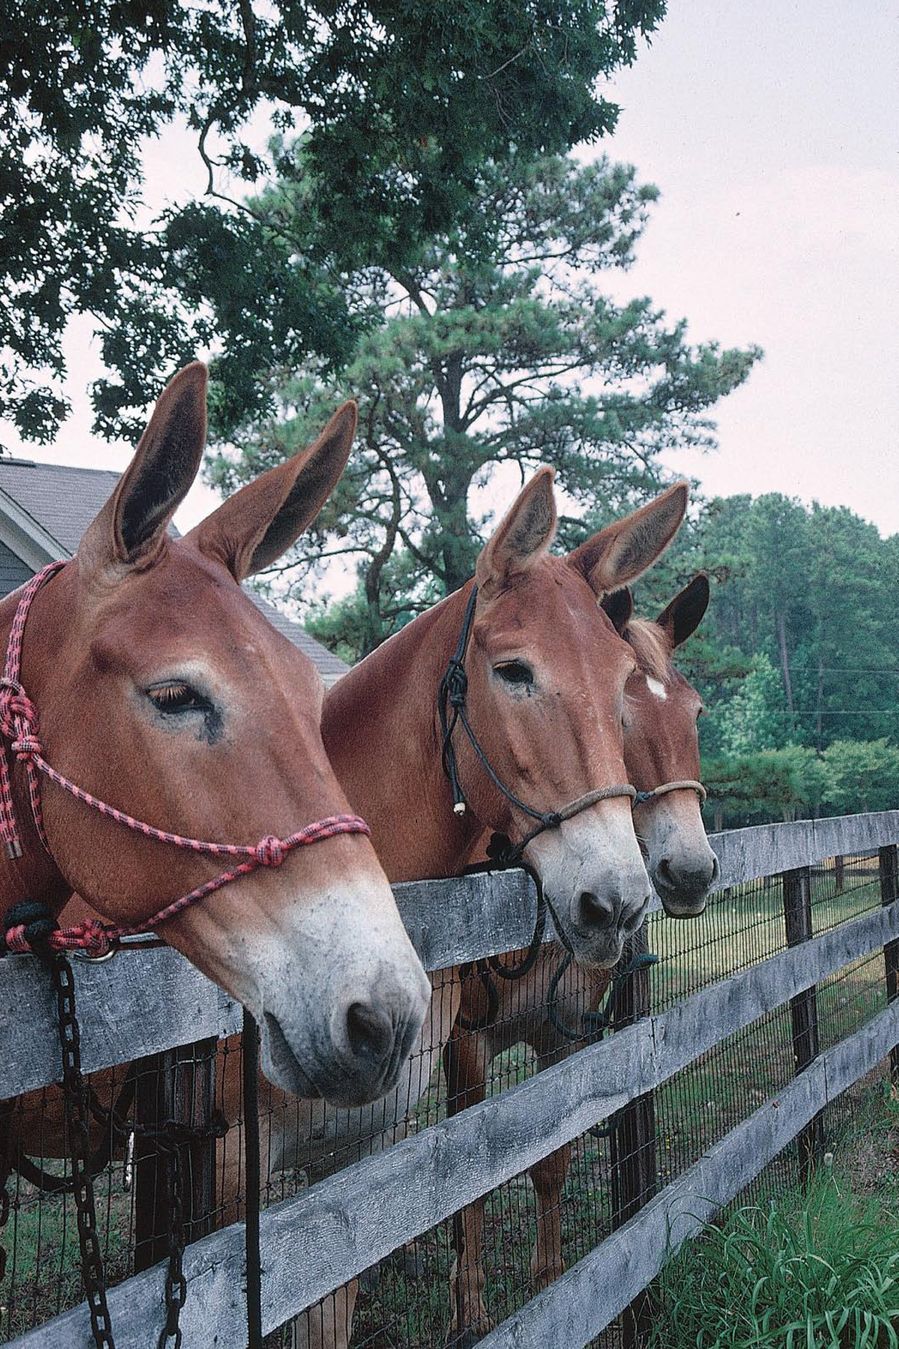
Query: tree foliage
{"points": [[398, 106], [769, 784], [507, 355], [795, 781], [807, 592]]}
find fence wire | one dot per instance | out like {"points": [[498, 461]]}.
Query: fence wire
{"points": [[473, 1270]]}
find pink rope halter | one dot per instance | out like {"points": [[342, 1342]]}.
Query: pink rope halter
{"points": [[19, 726]]}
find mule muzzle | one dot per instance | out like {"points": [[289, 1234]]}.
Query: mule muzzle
{"points": [[683, 884], [354, 1053], [604, 920]]}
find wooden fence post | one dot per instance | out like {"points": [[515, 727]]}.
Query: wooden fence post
{"points": [[176, 1085], [797, 902], [888, 866], [633, 1159]]}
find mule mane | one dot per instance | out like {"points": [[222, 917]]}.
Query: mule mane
{"points": [[651, 647]]}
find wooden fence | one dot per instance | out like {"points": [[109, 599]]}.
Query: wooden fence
{"points": [[321, 1237]]}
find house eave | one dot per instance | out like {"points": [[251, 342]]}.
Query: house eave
{"points": [[25, 537]]}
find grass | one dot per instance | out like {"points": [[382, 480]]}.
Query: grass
{"points": [[42, 1240], [814, 1267], [745, 925]]}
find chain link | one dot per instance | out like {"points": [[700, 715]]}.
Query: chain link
{"points": [[4, 1219], [175, 1282], [5, 1171], [171, 1137], [93, 1274]]}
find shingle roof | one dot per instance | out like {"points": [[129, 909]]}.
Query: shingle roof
{"points": [[329, 666], [63, 501]]}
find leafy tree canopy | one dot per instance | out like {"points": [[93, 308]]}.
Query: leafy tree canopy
{"points": [[768, 784], [399, 105], [753, 722], [808, 592], [498, 346]]}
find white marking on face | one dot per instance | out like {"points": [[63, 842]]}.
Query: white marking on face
{"points": [[657, 689]]}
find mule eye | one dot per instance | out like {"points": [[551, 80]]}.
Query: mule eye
{"points": [[515, 672], [177, 697]]}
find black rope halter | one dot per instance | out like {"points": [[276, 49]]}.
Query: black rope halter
{"points": [[451, 709]]}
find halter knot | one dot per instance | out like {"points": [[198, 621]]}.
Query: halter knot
{"points": [[269, 851], [27, 928], [17, 712], [456, 684], [500, 850], [26, 747], [90, 937]]}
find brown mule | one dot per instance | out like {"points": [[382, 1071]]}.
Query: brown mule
{"points": [[661, 748], [553, 732], [162, 690]]}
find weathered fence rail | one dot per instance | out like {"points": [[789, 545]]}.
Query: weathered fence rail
{"points": [[325, 1235], [144, 1002], [580, 1304], [154, 1000]]}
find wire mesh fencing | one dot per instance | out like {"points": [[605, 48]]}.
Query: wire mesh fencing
{"points": [[486, 1032]]}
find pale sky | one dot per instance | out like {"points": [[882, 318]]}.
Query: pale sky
{"points": [[771, 129]]}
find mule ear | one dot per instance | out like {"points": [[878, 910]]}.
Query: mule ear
{"points": [[620, 608], [250, 530], [131, 527], [523, 535], [684, 614], [625, 550]]}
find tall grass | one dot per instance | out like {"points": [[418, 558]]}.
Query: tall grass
{"points": [[816, 1268]]}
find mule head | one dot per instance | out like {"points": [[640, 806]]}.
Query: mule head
{"points": [[163, 691], [661, 745], [550, 729]]}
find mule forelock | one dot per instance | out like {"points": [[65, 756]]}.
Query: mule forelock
{"points": [[651, 647]]}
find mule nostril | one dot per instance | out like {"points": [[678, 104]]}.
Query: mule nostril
{"points": [[634, 920], [369, 1032], [595, 911], [689, 877]]}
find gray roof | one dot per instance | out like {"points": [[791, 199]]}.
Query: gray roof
{"points": [[59, 499], [63, 501], [329, 666]]}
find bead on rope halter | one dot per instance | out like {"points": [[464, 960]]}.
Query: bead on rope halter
{"points": [[19, 726], [451, 711]]}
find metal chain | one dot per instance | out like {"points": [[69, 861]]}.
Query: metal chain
{"points": [[170, 1137], [93, 1274], [5, 1173], [175, 1282], [4, 1219]]}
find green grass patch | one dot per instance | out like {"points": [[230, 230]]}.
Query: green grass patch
{"points": [[815, 1267]]}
